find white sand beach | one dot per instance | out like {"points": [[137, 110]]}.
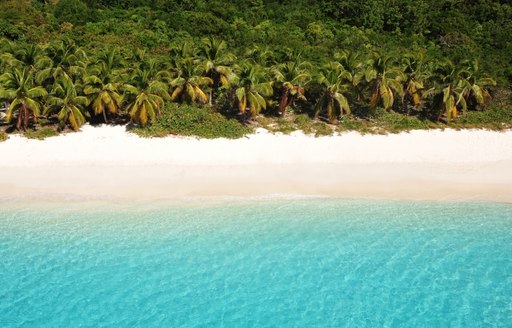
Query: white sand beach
{"points": [[107, 162]]}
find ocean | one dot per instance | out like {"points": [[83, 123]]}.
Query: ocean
{"points": [[297, 262]]}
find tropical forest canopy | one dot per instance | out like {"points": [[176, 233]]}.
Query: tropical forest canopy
{"points": [[82, 60]]}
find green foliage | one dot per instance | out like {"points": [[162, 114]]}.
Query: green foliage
{"points": [[3, 136], [497, 117], [17, 86], [75, 12], [350, 124], [316, 128], [189, 120], [289, 124], [394, 122], [9, 30], [494, 119], [20, 12], [338, 59], [40, 133]]}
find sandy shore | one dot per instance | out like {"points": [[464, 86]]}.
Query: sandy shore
{"points": [[109, 163]]}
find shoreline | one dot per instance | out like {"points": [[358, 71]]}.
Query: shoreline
{"points": [[108, 163]]}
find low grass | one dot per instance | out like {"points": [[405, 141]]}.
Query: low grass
{"points": [[41, 133], [190, 120], [291, 123], [3, 136], [392, 122], [284, 126], [353, 124], [498, 115], [498, 118]]}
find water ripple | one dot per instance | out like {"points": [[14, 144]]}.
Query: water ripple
{"points": [[299, 263]]}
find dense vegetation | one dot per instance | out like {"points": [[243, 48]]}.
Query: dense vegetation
{"points": [[217, 68]]}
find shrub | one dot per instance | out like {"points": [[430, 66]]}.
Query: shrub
{"points": [[41, 133], [395, 122], [3, 136], [188, 120]]}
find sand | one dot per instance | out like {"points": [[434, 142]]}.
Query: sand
{"points": [[109, 163]]}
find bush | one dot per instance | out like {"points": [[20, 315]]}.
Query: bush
{"points": [[9, 30], [3, 136], [190, 120], [41, 133], [498, 118], [73, 11], [395, 122], [20, 12]]}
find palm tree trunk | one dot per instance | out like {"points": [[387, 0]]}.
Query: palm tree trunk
{"points": [[375, 98], [26, 118], [20, 119], [284, 101], [104, 116], [22, 122]]}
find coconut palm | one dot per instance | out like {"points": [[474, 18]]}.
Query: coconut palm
{"points": [[455, 86], [251, 88], [149, 96], [260, 55], [356, 64], [66, 103], [417, 73], [189, 84], [7, 58], [291, 78], [102, 86], [474, 87], [31, 56], [67, 57], [17, 87], [103, 97], [217, 63], [448, 91], [384, 79], [181, 50], [334, 80]]}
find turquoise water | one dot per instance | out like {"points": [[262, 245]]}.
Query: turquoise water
{"points": [[257, 263]]}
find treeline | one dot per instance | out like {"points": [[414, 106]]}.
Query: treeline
{"points": [[456, 29], [76, 60]]}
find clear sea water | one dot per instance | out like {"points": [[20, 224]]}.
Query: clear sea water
{"points": [[256, 263]]}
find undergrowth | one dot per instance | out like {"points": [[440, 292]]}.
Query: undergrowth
{"points": [[190, 120], [41, 133], [3, 136]]}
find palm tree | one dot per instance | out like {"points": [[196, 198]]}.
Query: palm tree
{"points": [[291, 77], [474, 87], [252, 86], [65, 101], [149, 96], [356, 64], [7, 51], [31, 56], [67, 57], [17, 87], [103, 97], [455, 86], [102, 89], [334, 81], [189, 84], [417, 72], [384, 80], [217, 62], [181, 50], [261, 55]]}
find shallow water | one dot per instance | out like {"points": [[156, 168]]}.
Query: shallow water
{"points": [[262, 263]]}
